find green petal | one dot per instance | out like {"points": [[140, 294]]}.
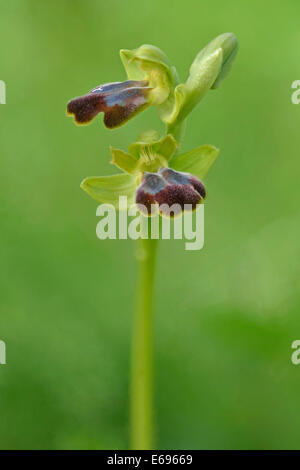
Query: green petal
{"points": [[197, 161], [124, 161], [166, 147], [108, 189]]}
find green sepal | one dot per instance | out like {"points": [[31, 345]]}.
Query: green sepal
{"points": [[165, 147], [124, 161], [150, 63], [197, 161], [135, 60], [145, 154], [108, 189]]}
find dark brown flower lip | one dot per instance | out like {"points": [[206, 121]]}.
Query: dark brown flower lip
{"points": [[178, 177], [171, 191], [119, 101]]}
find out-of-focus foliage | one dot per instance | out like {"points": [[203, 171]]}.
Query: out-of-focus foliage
{"points": [[226, 316]]}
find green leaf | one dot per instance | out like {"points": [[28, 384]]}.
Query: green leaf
{"points": [[124, 161], [197, 161], [108, 189]]}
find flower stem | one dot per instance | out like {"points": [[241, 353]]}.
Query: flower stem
{"points": [[177, 130], [141, 395]]}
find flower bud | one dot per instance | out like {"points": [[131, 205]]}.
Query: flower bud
{"points": [[208, 70], [118, 101], [228, 43]]}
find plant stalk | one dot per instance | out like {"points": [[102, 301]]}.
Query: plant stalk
{"points": [[177, 130], [141, 396]]}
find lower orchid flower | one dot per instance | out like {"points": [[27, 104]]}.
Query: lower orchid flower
{"points": [[154, 176]]}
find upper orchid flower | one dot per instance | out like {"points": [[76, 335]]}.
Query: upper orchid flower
{"points": [[118, 101]]}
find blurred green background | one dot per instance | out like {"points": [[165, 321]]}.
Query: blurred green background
{"points": [[225, 317]]}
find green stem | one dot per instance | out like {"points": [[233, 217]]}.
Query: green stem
{"points": [[177, 130], [141, 396]]}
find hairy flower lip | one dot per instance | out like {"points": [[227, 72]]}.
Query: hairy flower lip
{"points": [[179, 177], [119, 101], [169, 188], [153, 182]]}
